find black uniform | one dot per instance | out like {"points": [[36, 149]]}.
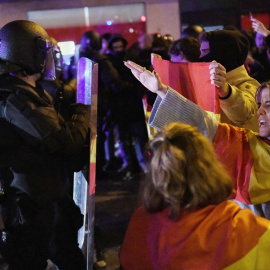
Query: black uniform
{"points": [[38, 151]]}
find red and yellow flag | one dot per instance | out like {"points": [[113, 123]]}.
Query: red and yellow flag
{"points": [[215, 237], [192, 80], [246, 158]]}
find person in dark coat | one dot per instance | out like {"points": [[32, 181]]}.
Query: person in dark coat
{"points": [[110, 84], [39, 149], [127, 110]]}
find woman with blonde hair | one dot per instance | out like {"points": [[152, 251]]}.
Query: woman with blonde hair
{"points": [[186, 220], [182, 173]]}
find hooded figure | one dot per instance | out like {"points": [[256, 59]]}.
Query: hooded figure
{"points": [[227, 47]]}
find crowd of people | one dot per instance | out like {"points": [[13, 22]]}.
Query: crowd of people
{"points": [[186, 196], [122, 129], [238, 69], [122, 118], [191, 185]]}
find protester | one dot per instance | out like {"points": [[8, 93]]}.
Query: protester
{"points": [[186, 221], [104, 43], [127, 112], [259, 27], [262, 31], [160, 46], [185, 50], [243, 152], [260, 54], [260, 51], [252, 65], [108, 80], [236, 89], [192, 30], [142, 49]]}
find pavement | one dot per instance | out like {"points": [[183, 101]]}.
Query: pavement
{"points": [[115, 201]]}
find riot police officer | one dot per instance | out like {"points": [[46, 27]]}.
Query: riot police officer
{"points": [[38, 150]]}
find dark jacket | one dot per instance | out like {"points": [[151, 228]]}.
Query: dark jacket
{"points": [[109, 80], [127, 103], [41, 148], [117, 97]]}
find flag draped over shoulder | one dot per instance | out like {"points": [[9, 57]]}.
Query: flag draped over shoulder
{"points": [[192, 80], [216, 237], [246, 157]]}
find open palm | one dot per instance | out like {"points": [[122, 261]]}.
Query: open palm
{"points": [[150, 80]]}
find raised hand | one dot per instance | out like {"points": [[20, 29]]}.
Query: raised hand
{"points": [[259, 27], [218, 78], [150, 80]]}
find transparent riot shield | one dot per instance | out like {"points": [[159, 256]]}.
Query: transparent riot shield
{"points": [[85, 180]]}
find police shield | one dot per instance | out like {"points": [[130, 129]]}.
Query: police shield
{"points": [[84, 181]]}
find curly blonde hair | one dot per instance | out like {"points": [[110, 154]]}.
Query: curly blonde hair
{"points": [[183, 173]]}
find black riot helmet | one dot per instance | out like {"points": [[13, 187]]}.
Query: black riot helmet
{"points": [[91, 40], [25, 45]]}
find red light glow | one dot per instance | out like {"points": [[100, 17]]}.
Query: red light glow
{"points": [[143, 18]]}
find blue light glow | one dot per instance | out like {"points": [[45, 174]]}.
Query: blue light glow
{"points": [[109, 22]]}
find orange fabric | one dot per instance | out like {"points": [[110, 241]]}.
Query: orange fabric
{"points": [[192, 80], [211, 238], [233, 150]]}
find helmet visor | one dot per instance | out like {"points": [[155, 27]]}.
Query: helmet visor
{"points": [[58, 59], [49, 66]]}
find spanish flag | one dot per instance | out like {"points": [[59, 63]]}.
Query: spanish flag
{"points": [[192, 80], [246, 157], [216, 237]]}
